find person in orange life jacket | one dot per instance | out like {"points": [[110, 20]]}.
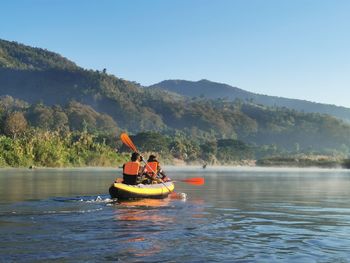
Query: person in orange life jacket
{"points": [[153, 170], [133, 170]]}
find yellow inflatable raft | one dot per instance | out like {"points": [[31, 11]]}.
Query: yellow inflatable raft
{"points": [[125, 191]]}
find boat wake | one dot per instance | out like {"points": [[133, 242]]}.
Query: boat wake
{"points": [[99, 199], [86, 199], [71, 204], [178, 196]]}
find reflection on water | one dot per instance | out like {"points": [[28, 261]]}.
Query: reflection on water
{"points": [[145, 214], [145, 202], [237, 216], [148, 228]]}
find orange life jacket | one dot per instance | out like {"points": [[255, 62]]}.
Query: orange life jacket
{"points": [[152, 168], [131, 168]]}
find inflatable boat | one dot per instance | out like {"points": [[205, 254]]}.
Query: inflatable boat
{"points": [[125, 191]]}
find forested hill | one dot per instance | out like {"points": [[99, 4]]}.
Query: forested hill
{"points": [[51, 85], [36, 75], [213, 90], [18, 56]]}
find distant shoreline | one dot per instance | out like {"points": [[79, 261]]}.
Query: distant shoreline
{"points": [[189, 168], [278, 162]]}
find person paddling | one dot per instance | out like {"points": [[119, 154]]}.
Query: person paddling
{"points": [[154, 171], [133, 170]]}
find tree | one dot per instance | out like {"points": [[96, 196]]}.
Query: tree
{"points": [[40, 116], [106, 123], [60, 121], [15, 124], [8, 103], [233, 150], [81, 116], [208, 150], [184, 148], [151, 142]]}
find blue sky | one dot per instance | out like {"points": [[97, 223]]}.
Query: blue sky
{"points": [[288, 48]]}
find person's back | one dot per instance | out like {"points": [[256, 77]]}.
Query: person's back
{"points": [[151, 168], [154, 171], [132, 170]]}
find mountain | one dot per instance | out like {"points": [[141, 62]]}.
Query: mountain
{"points": [[213, 90], [49, 85]]}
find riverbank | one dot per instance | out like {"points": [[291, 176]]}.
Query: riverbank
{"points": [[321, 161], [82, 150], [198, 167], [66, 149], [298, 161], [170, 169]]}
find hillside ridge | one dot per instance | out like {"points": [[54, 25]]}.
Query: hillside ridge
{"points": [[215, 90]]}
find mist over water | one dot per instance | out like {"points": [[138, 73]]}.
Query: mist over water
{"points": [[239, 215]]}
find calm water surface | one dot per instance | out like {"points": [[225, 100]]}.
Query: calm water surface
{"points": [[237, 216]]}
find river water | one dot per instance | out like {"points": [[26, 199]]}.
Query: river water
{"points": [[239, 215]]}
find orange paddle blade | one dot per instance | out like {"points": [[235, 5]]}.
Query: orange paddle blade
{"points": [[194, 180], [127, 141]]}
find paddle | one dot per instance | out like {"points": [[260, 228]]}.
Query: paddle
{"points": [[194, 180], [128, 142]]}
